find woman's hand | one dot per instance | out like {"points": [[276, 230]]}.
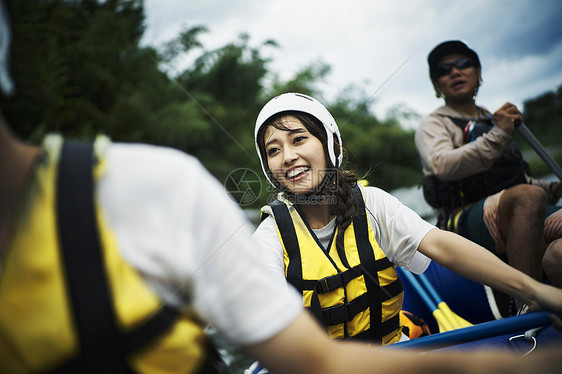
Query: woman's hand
{"points": [[549, 298]]}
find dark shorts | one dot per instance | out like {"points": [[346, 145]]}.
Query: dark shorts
{"points": [[471, 225]]}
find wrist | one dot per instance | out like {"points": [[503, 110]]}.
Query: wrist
{"points": [[526, 288]]}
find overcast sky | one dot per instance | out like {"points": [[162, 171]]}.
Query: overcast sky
{"points": [[382, 46]]}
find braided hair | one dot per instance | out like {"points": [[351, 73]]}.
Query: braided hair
{"points": [[339, 182]]}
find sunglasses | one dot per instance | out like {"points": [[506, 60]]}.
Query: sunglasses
{"points": [[461, 64]]}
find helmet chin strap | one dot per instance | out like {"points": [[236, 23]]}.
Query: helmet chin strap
{"points": [[330, 145]]}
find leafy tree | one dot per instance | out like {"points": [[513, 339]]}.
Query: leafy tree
{"points": [[543, 116], [382, 152], [72, 60], [226, 84], [79, 70]]}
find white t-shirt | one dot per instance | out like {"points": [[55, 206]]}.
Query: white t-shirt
{"points": [[176, 224], [397, 229]]}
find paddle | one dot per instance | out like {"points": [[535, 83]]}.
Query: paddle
{"points": [[456, 320], [443, 321], [534, 143]]}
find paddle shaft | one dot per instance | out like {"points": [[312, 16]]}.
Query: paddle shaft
{"points": [[419, 289], [534, 143], [445, 324], [429, 287], [455, 320]]}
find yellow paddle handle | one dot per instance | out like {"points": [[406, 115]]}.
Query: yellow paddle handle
{"points": [[455, 320], [442, 321]]}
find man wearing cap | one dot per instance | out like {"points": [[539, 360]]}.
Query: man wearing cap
{"points": [[475, 174]]}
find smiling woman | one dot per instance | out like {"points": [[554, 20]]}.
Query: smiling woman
{"points": [[329, 226]]}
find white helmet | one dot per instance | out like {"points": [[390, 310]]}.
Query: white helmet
{"points": [[298, 102]]}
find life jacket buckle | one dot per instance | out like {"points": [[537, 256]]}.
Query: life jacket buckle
{"points": [[330, 283], [337, 314]]}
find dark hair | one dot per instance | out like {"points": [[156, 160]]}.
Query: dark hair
{"points": [[339, 181]]}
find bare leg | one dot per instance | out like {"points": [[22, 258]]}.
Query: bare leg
{"points": [[552, 262], [521, 212]]}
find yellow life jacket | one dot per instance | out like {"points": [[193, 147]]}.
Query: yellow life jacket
{"points": [[361, 302], [68, 301]]}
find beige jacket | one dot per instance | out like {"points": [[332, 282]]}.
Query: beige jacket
{"points": [[443, 153]]}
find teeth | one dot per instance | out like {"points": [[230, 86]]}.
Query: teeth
{"points": [[294, 172]]}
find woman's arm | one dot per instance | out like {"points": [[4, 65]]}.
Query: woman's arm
{"points": [[303, 347], [478, 264]]}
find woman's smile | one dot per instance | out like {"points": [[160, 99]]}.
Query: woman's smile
{"points": [[297, 173], [295, 156]]}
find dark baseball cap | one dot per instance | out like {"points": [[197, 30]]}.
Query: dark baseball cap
{"points": [[447, 48]]}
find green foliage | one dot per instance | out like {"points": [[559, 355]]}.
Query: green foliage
{"points": [[72, 61], [543, 116], [537, 167], [80, 70], [231, 75], [184, 43], [383, 153]]}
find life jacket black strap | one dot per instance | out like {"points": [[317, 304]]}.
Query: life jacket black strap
{"points": [[289, 236], [369, 267], [460, 122], [339, 280], [294, 270], [376, 292], [506, 171], [103, 347], [383, 329], [346, 312], [366, 256]]}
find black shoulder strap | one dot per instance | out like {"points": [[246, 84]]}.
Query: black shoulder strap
{"points": [[370, 267], [289, 236], [294, 270], [102, 345], [460, 122]]}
